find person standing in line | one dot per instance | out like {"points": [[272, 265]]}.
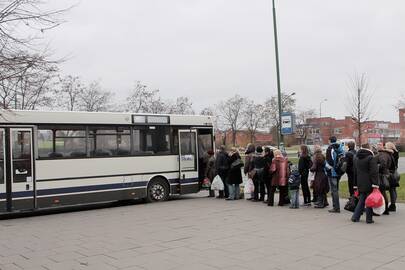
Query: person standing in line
{"points": [[210, 171], [235, 175], [350, 154], [268, 158], [394, 183], [317, 149], [321, 184], [280, 173], [259, 163], [334, 153], [365, 179], [222, 166], [294, 182], [385, 162], [304, 164], [248, 167]]}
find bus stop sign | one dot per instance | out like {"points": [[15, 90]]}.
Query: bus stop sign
{"points": [[287, 123]]}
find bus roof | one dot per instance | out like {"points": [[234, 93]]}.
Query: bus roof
{"points": [[102, 118]]}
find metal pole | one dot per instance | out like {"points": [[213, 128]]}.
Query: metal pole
{"points": [[280, 109]]}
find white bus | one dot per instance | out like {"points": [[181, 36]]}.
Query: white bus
{"points": [[56, 159]]}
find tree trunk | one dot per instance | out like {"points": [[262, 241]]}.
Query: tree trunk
{"points": [[234, 137]]}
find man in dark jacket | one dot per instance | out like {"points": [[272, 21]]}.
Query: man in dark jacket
{"points": [[350, 166], [365, 179], [222, 166], [333, 154]]}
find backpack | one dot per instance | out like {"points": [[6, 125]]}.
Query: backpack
{"points": [[341, 165]]}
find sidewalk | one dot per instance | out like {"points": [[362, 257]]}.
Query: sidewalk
{"points": [[195, 232]]}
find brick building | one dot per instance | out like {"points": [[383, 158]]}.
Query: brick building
{"points": [[243, 137], [319, 130]]}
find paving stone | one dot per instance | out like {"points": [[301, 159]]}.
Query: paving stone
{"points": [[201, 233]]}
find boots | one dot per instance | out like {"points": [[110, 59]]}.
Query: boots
{"points": [[392, 208]]}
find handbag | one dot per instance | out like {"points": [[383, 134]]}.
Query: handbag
{"points": [[351, 204]]}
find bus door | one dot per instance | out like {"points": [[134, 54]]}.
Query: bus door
{"points": [[20, 170], [3, 190], [188, 157]]}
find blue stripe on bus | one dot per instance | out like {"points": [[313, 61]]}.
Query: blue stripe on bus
{"points": [[56, 191]]}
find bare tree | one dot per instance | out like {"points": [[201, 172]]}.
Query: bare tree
{"points": [[303, 115], [30, 90], [70, 90], [182, 105], [359, 102], [401, 102], [94, 99], [230, 112], [301, 120], [141, 98], [271, 114], [253, 118], [21, 52]]}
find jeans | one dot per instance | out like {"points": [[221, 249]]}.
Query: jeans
{"points": [[234, 191], [334, 188], [360, 209], [393, 195], [295, 198]]}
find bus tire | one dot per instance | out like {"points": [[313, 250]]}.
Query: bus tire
{"points": [[158, 190]]}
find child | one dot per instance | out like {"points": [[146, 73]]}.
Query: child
{"points": [[294, 185]]}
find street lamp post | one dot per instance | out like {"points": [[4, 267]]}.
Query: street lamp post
{"points": [[320, 107], [280, 136]]}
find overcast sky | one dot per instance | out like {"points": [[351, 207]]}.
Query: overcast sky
{"points": [[212, 49]]}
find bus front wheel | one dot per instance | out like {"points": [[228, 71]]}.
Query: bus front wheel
{"points": [[158, 190]]}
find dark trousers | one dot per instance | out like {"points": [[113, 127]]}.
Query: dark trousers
{"points": [[360, 208], [350, 183], [305, 188], [384, 193], [267, 183], [259, 189], [282, 195], [393, 195], [224, 176]]}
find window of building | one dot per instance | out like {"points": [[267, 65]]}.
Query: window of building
{"points": [[337, 131]]}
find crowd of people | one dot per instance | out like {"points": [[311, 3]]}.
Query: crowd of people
{"points": [[368, 168]]}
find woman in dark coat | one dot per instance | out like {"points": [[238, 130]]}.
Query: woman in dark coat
{"points": [[235, 175], [394, 183], [280, 173], [365, 179], [321, 184], [268, 158], [248, 167], [385, 162], [259, 163], [304, 165], [210, 171]]}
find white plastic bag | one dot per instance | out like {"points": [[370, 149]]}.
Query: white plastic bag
{"points": [[249, 186], [379, 210], [217, 183]]}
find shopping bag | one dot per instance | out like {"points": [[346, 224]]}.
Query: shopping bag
{"points": [[375, 199], [249, 186], [351, 204], [206, 183], [217, 183], [380, 210]]}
